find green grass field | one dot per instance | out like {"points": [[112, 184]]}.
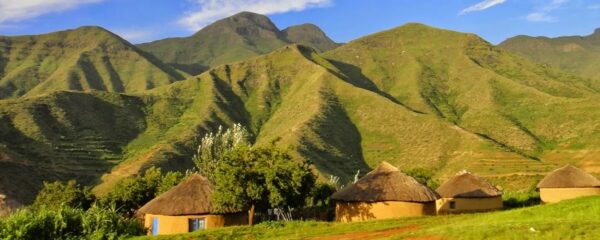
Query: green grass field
{"points": [[573, 219]]}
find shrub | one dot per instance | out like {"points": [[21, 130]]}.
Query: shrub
{"points": [[55, 194], [66, 222], [133, 192]]}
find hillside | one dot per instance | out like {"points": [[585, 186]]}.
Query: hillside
{"points": [[414, 96], [87, 58], [235, 38], [576, 54], [573, 219]]}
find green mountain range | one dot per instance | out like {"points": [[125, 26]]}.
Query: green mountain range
{"points": [[575, 54], [235, 38], [87, 58], [414, 96]]}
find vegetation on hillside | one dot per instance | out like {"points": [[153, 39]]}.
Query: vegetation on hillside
{"points": [[575, 54], [415, 96], [83, 59]]}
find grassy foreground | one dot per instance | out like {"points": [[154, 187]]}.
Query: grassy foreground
{"points": [[574, 219]]}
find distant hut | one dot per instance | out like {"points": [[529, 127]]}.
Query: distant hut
{"points": [[187, 207], [384, 193], [467, 192], [566, 183]]}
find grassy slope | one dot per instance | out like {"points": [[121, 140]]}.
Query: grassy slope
{"points": [[478, 88], [576, 54], [82, 59], [414, 96], [239, 37], [574, 219]]}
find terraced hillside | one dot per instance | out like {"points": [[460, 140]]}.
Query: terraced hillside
{"points": [[415, 96], [576, 54], [87, 58], [235, 38]]}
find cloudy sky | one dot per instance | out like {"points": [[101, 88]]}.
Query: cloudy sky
{"points": [[343, 20]]}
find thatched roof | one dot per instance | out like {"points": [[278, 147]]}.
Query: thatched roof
{"points": [[386, 183], [468, 185], [569, 177], [191, 197]]}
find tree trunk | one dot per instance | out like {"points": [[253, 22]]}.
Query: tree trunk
{"points": [[251, 215]]}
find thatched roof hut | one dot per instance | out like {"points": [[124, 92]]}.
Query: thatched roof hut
{"points": [[468, 185], [386, 183], [187, 207], [569, 177], [566, 183], [190, 197], [467, 192], [384, 193]]}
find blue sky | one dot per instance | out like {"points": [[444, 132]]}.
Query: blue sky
{"points": [[343, 20]]}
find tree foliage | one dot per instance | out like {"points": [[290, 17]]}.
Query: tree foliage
{"points": [[424, 176], [131, 193], [55, 194], [265, 177], [213, 145]]}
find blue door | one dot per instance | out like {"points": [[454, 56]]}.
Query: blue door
{"points": [[154, 226]]}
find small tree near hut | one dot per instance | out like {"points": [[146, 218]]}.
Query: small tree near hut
{"points": [[250, 177], [213, 145], [261, 178]]}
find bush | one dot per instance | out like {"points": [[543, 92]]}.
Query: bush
{"points": [[55, 194], [131, 193], [68, 223], [424, 176], [520, 199]]}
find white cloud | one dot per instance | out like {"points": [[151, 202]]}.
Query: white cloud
{"points": [[481, 6], [207, 11], [18, 10], [539, 17], [542, 13]]}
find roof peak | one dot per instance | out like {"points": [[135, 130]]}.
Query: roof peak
{"points": [[386, 167]]}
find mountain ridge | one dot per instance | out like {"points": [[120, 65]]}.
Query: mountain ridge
{"points": [[241, 36], [86, 58], [575, 54]]}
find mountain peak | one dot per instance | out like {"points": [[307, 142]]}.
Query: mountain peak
{"points": [[243, 23], [309, 35]]}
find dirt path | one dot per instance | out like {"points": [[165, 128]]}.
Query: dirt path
{"points": [[369, 235]]}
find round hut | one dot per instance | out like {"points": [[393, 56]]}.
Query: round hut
{"points": [[187, 207], [566, 183], [384, 193], [467, 192]]}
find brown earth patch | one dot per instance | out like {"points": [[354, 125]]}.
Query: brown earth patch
{"points": [[370, 234]]}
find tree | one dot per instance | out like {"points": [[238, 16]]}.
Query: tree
{"points": [[55, 194], [133, 192], [424, 176], [261, 178], [213, 145]]}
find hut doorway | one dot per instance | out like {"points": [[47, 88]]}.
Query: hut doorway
{"points": [[155, 226]]}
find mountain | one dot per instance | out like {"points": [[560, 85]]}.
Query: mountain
{"points": [[235, 38], [309, 35], [575, 54], [414, 96], [87, 58]]}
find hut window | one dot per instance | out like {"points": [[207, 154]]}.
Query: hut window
{"points": [[196, 224], [452, 205]]}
